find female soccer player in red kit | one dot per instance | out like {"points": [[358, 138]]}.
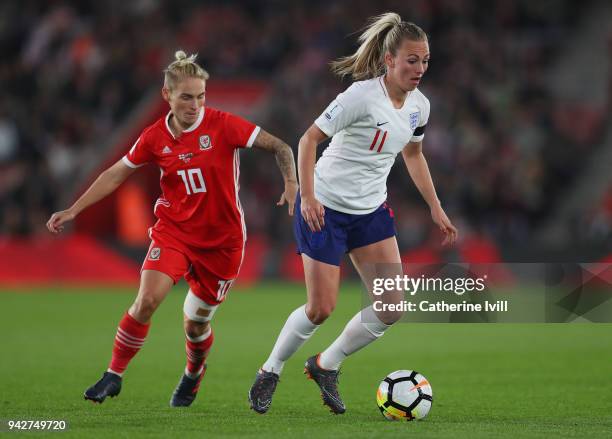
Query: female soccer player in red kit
{"points": [[200, 232]]}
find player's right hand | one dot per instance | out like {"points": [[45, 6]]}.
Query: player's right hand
{"points": [[57, 219], [450, 231], [313, 213]]}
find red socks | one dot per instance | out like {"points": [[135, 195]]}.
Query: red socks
{"points": [[131, 335], [197, 351]]}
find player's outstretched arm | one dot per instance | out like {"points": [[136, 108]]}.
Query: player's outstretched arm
{"points": [[419, 172], [285, 162], [105, 184]]}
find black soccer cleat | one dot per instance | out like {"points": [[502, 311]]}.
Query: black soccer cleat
{"points": [[262, 390], [187, 390], [109, 385], [328, 383]]}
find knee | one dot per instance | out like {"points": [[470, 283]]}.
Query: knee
{"points": [[144, 307], [318, 313], [195, 329], [390, 317]]}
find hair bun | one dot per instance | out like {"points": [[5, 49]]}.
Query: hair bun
{"points": [[180, 55]]}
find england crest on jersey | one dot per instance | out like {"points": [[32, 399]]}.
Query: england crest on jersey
{"points": [[414, 120], [205, 142]]}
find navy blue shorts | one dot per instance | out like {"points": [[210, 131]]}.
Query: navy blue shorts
{"points": [[342, 232]]}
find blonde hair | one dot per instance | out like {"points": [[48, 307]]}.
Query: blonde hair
{"points": [[383, 34], [183, 67]]}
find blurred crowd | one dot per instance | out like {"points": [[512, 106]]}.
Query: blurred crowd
{"points": [[593, 226], [498, 145]]}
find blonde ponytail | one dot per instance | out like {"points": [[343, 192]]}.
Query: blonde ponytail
{"points": [[384, 33], [183, 67]]}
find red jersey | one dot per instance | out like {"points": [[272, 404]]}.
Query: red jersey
{"points": [[199, 202]]}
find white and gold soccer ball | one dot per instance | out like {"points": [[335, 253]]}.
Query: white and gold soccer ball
{"points": [[404, 395]]}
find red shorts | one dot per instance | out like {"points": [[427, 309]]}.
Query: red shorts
{"points": [[209, 272]]}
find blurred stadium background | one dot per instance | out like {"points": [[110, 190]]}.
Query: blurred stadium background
{"points": [[519, 141]]}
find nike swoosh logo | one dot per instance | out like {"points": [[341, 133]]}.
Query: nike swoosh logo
{"points": [[333, 399], [264, 404], [379, 124]]}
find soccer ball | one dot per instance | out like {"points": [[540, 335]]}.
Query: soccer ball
{"points": [[404, 395]]}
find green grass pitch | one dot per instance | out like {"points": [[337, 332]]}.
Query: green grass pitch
{"points": [[489, 380]]}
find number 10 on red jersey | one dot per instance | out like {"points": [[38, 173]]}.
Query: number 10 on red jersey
{"points": [[190, 177]]}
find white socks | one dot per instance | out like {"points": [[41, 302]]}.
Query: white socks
{"points": [[360, 331], [298, 328]]}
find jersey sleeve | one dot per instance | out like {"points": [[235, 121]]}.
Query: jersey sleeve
{"points": [[140, 154], [419, 132], [346, 109], [241, 133]]}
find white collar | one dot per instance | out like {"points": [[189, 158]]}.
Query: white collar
{"points": [[191, 128]]}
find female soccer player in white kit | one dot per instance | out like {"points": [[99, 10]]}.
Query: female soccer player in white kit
{"points": [[341, 207]]}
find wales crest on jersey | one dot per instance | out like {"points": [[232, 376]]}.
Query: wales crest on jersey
{"points": [[205, 142]]}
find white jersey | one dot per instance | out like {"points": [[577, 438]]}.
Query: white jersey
{"points": [[368, 132]]}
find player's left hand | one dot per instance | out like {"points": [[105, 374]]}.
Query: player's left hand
{"points": [[291, 188], [439, 217]]}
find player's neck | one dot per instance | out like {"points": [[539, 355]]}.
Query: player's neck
{"points": [[175, 126], [396, 94]]}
